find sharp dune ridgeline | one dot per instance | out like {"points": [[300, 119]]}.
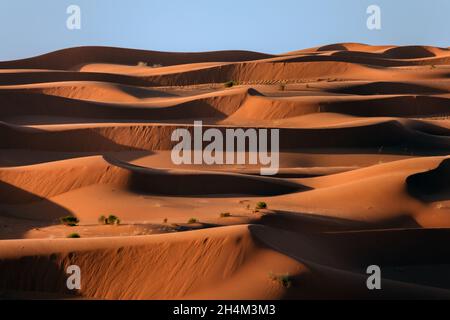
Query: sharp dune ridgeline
{"points": [[364, 157]]}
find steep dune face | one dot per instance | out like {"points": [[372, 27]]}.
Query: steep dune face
{"points": [[51, 179], [131, 268], [279, 108], [432, 184], [388, 204], [413, 52], [59, 104], [363, 174]]}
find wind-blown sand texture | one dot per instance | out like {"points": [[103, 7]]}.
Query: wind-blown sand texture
{"points": [[364, 177]]}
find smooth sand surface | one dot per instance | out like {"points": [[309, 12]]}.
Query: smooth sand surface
{"points": [[364, 174]]}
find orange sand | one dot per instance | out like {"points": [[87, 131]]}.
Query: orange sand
{"points": [[364, 177]]}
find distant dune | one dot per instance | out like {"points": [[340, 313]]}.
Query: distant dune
{"points": [[363, 179]]}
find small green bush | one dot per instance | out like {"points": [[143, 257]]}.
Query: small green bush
{"points": [[112, 219], [70, 221], [192, 220], [283, 279], [261, 205], [230, 84], [74, 235]]}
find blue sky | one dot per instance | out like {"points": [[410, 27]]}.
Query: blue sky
{"points": [[29, 27]]}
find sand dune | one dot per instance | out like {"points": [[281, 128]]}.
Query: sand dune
{"points": [[363, 178], [222, 256], [139, 137], [74, 57]]}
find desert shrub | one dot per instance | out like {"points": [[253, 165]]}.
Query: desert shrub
{"points": [[112, 219], [283, 279], [225, 215], [230, 84], [74, 235], [261, 205], [165, 220], [146, 64], [102, 220], [70, 221], [192, 220]]}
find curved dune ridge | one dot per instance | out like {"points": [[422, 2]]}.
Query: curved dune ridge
{"points": [[363, 174]]}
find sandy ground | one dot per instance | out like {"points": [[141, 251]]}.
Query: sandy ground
{"points": [[364, 174]]}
